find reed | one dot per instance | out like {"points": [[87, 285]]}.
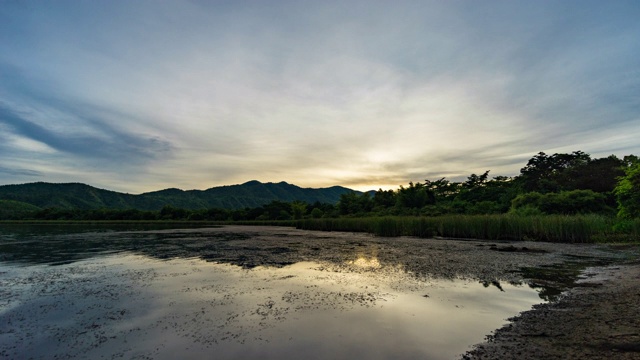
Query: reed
{"points": [[550, 228]]}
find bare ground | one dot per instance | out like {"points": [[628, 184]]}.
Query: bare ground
{"points": [[599, 319]]}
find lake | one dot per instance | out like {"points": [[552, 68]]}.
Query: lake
{"points": [[241, 292]]}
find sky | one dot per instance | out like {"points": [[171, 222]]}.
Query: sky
{"points": [[136, 96]]}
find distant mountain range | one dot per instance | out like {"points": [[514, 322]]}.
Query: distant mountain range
{"points": [[81, 196]]}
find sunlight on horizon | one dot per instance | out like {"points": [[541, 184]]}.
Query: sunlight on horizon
{"points": [[194, 95]]}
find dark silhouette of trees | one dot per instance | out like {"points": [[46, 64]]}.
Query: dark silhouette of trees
{"points": [[548, 173], [172, 213], [442, 189], [415, 196], [352, 203], [384, 199]]}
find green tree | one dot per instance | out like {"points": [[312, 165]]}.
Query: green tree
{"points": [[565, 202], [599, 175], [472, 190], [316, 213], [298, 209], [628, 192], [415, 196], [547, 173], [442, 189], [324, 210], [384, 199], [169, 212], [217, 214], [352, 203], [630, 160], [277, 210]]}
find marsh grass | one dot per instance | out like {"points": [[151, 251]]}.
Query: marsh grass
{"points": [[550, 228]]}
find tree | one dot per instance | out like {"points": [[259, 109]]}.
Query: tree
{"points": [[544, 173], [442, 189], [316, 213], [628, 192], [472, 190], [599, 175], [384, 198], [298, 209], [218, 214], [352, 203], [318, 210], [475, 181], [630, 160], [277, 210], [415, 196], [169, 212], [565, 202]]}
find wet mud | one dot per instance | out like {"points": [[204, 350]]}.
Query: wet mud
{"points": [[597, 319]]}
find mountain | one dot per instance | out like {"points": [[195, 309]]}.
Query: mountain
{"points": [[81, 196], [10, 209]]}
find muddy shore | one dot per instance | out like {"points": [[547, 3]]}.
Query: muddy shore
{"points": [[598, 319]]}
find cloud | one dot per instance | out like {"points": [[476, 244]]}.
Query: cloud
{"points": [[102, 142], [196, 94], [20, 172]]}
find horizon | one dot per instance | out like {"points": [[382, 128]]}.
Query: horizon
{"points": [[173, 187], [169, 188], [140, 96]]}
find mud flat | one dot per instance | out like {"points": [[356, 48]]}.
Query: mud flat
{"points": [[598, 319], [269, 292]]}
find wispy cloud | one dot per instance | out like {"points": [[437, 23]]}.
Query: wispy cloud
{"points": [[20, 172], [195, 94], [97, 141]]}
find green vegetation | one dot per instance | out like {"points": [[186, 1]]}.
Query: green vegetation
{"points": [[551, 228], [10, 210], [558, 198], [628, 192], [564, 202]]}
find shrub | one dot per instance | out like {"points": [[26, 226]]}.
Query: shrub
{"points": [[565, 202]]}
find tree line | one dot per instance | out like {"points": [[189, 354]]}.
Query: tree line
{"points": [[275, 210], [565, 183], [562, 183]]}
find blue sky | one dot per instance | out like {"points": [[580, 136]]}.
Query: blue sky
{"points": [[137, 96]]}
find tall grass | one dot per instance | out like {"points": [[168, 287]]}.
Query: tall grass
{"points": [[380, 226], [550, 228]]}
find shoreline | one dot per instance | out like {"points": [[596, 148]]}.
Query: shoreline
{"points": [[596, 319]]}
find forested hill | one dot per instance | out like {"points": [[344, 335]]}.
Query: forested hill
{"points": [[82, 196]]}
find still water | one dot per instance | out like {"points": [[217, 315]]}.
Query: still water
{"points": [[148, 295]]}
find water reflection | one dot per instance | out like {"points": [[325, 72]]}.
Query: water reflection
{"points": [[50, 244], [134, 306], [372, 263], [250, 247], [25, 230], [249, 292]]}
